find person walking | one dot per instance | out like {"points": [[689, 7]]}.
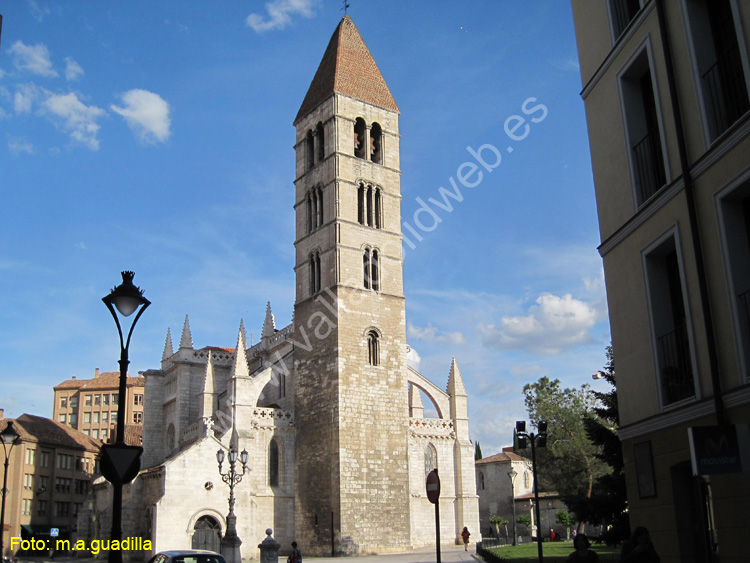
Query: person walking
{"points": [[465, 535]]}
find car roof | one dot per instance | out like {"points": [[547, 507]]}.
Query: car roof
{"points": [[177, 552]]}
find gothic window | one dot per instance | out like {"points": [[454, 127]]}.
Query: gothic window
{"points": [[321, 142], [481, 480], [314, 273], [430, 459], [375, 271], [361, 204], [310, 150], [376, 140], [359, 138], [373, 348], [309, 205], [378, 204], [366, 267], [273, 463]]}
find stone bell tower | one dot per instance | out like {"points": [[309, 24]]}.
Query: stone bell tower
{"points": [[349, 319]]}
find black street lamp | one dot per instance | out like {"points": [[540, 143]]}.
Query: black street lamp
{"points": [[120, 463], [9, 438], [230, 543], [538, 440], [512, 474]]}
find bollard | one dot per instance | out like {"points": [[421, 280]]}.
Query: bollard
{"points": [[269, 549]]}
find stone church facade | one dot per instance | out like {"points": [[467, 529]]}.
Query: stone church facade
{"points": [[328, 410]]}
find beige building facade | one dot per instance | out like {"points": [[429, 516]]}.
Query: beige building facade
{"points": [[49, 477], [90, 405], [665, 85], [329, 412]]}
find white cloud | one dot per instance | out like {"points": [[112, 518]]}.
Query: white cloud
{"points": [[37, 12], [34, 58], [553, 324], [74, 117], [413, 359], [279, 14], [431, 334], [20, 146], [73, 70], [24, 97], [147, 115]]}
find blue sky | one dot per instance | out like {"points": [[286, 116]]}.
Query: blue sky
{"points": [[157, 137]]}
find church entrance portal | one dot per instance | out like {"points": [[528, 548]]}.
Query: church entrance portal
{"points": [[207, 534]]}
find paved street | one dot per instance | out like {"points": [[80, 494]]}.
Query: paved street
{"points": [[451, 554]]}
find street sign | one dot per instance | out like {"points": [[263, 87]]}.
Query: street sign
{"points": [[54, 532], [120, 463], [717, 449], [433, 486]]}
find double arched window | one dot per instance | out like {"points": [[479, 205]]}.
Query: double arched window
{"points": [[314, 272], [313, 138], [371, 269], [314, 204], [368, 143], [370, 206], [373, 348]]}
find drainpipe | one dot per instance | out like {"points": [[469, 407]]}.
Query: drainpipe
{"points": [[692, 218]]}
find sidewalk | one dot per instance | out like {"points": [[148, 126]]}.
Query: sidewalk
{"points": [[448, 554]]}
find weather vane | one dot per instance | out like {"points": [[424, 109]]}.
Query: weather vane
{"points": [[346, 6]]}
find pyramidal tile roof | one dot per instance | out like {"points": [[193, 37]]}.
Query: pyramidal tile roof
{"points": [[347, 68]]}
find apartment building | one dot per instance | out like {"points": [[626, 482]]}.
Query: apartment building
{"points": [[50, 471], [665, 86], [90, 405]]}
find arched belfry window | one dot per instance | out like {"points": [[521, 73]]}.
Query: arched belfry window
{"points": [[321, 141], [310, 150], [366, 267], [314, 273], [376, 142], [309, 208], [375, 270], [359, 138], [314, 208], [373, 348], [430, 459], [370, 206], [319, 200], [361, 203], [273, 463], [378, 208]]}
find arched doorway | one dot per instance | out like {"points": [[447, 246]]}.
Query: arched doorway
{"points": [[207, 534]]}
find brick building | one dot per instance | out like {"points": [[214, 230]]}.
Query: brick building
{"points": [[49, 476]]}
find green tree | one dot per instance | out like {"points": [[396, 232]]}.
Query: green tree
{"points": [[498, 521], [524, 519], [564, 518], [477, 451], [569, 464], [608, 503]]}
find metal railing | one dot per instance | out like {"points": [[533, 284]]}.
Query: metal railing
{"points": [[624, 12], [675, 366], [725, 90], [649, 165]]}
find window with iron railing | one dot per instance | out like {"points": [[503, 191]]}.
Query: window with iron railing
{"points": [[674, 362], [622, 13]]}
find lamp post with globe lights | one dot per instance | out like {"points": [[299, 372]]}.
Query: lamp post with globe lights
{"points": [[537, 440], [9, 437], [230, 543], [120, 462]]}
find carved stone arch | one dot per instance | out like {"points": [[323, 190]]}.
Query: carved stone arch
{"points": [[438, 397], [216, 515], [205, 530]]}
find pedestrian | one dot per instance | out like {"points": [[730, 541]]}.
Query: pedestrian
{"points": [[296, 555], [582, 553], [639, 549], [552, 535], [465, 535]]}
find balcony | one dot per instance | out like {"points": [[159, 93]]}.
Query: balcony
{"points": [[649, 165], [674, 363], [725, 91]]}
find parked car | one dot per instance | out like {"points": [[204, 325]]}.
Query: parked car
{"points": [[187, 556]]}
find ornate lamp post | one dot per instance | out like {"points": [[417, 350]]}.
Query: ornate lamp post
{"points": [[120, 463], [512, 474], [230, 543], [9, 438], [538, 440]]}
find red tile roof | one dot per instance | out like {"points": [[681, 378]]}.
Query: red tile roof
{"points": [[105, 380], [42, 430], [504, 456], [347, 68]]}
